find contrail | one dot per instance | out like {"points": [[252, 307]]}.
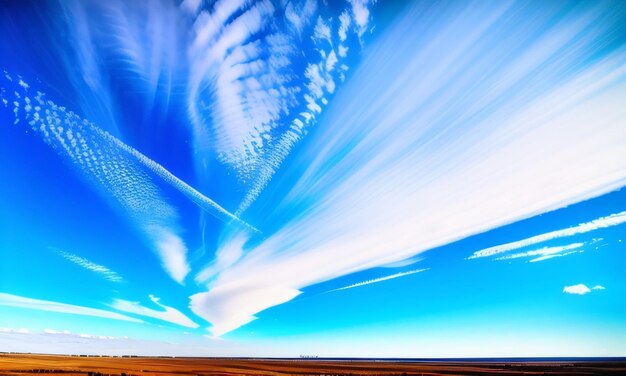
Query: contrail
{"points": [[381, 279], [190, 192]]}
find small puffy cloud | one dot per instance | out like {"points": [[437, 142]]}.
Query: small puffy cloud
{"points": [[578, 289], [300, 16], [361, 14], [598, 287], [322, 31], [344, 20]]}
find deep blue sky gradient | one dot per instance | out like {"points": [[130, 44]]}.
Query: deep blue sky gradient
{"points": [[455, 307]]}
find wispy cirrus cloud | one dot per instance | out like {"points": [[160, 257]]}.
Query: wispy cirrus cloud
{"points": [[260, 74], [139, 41], [121, 174], [166, 313], [471, 132], [102, 162], [10, 300], [599, 223], [545, 253], [103, 271]]}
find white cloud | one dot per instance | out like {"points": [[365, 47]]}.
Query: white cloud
{"points": [[402, 165], [300, 16], [344, 24], [547, 257], [578, 289], [9, 300], [93, 344], [596, 224], [342, 51], [381, 279], [120, 174], [191, 6], [12, 330], [105, 272], [361, 14], [236, 302], [598, 287], [226, 255], [322, 31], [171, 250], [331, 61], [54, 332], [242, 104], [544, 253], [168, 314], [402, 263]]}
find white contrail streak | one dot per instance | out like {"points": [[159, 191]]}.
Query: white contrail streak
{"points": [[190, 192], [381, 279], [604, 222]]}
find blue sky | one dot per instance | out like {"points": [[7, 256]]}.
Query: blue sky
{"points": [[432, 179]]}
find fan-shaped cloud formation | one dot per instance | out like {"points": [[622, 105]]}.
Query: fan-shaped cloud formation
{"points": [[394, 180]]}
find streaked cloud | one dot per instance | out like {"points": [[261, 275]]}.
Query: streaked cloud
{"points": [[598, 287], [381, 279], [545, 253], [10, 300], [166, 313], [599, 223], [103, 271]]}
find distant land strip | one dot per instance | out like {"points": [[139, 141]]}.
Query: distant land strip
{"points": [[84, 365]]}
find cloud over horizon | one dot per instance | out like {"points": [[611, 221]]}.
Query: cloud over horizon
{"points": [[10, 300]]}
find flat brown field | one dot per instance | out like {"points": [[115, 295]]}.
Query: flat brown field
{"points": [[26, 364]]}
